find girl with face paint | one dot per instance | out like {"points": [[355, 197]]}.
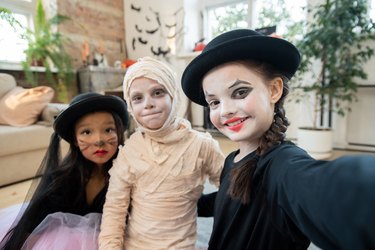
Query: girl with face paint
{"points": [[272, 194], [159, 174], [64, 211]]}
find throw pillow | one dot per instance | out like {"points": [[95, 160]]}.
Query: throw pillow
{"points": [[21, 107], [50, 112]]}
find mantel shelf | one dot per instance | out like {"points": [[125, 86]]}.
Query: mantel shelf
{"points": [[188, 55], [18, 67]]}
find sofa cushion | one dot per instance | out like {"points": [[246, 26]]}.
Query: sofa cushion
{"points": [[50, 112], [21, 107], [7, 82], [20, 167], [17, 140]]}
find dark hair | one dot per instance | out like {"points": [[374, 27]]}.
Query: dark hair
{"points": [[74, 169], [241, 177]]}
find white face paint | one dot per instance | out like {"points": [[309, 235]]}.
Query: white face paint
{"points": [[240, 103], [150, 102]]}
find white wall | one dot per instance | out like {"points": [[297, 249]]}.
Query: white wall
{"points": [[362, 119]]}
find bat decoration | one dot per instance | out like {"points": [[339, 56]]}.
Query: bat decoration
{"points": [[177, 33], [157, 16], [135, 8], [133, 44], [152, 31], [138, 29], [142, 41], [180, 9], [158, 19], [160, 51], [171, 25]]}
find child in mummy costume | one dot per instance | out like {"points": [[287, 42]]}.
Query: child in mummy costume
{"points": [[159, 174]]}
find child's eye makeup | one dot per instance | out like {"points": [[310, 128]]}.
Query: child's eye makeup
{"points": [[159, 92], [212, 104], [241, 92], [136, 98]]}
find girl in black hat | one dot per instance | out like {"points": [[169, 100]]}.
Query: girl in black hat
{"points": [[64, 211], [272, 194]]}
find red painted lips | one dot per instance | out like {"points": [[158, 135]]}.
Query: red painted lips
{"points": [[235, 124]]}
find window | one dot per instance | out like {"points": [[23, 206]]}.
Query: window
{"points": [[372, 10], [11, 43], [224, 15], [287, 17]]}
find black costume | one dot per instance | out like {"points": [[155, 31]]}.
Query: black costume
{"points": [[68, 196], [296, 199], [58, 213]]}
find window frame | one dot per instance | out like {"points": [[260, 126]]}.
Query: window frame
{"points": [[371, 8], [22, 7], [208, 5], [252, 16]]}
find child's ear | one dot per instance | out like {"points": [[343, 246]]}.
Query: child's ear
{"points": [[276, 89]]}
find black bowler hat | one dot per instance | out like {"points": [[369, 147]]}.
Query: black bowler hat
{"points": [[86, 103], [240, 44]]}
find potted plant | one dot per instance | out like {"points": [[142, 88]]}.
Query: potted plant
{"points": [[334, 50], [7, 15], [45, 48]]}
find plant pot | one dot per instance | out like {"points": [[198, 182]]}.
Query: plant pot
{"points": [[38, 63], [62, 93], [316, 141]]}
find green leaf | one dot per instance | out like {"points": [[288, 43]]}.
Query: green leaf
{"points": [[336, 38]]}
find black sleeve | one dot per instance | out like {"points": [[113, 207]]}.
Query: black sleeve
{"points": [[331, 202], [206, 204]]}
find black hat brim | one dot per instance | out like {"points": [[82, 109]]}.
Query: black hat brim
{"points": [[64, 122], [275, 51]]}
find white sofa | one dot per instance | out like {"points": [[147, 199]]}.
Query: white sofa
{"points": [[22, 148]]}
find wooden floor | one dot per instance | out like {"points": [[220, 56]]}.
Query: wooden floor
{"points": [[16, 193], [13, 194]]}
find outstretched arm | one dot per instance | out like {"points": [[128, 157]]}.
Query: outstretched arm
{"points": [[332, 202]]}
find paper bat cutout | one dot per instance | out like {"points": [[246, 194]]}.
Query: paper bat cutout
{"points": [[152, 31], [138, 29], [160, 51], [142, 41], [135, 8]]}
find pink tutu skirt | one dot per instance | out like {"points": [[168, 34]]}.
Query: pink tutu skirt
{"points": [[60, 231], [7, 217]]}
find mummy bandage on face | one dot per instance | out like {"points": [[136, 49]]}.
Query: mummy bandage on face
{"points": [[159, 72]]}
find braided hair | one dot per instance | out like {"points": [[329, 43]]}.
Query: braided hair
{"points": [[241, 177]]}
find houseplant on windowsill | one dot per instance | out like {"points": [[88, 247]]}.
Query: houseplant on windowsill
{"points": [[333, 53], [7, 15], [46, 49]]}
